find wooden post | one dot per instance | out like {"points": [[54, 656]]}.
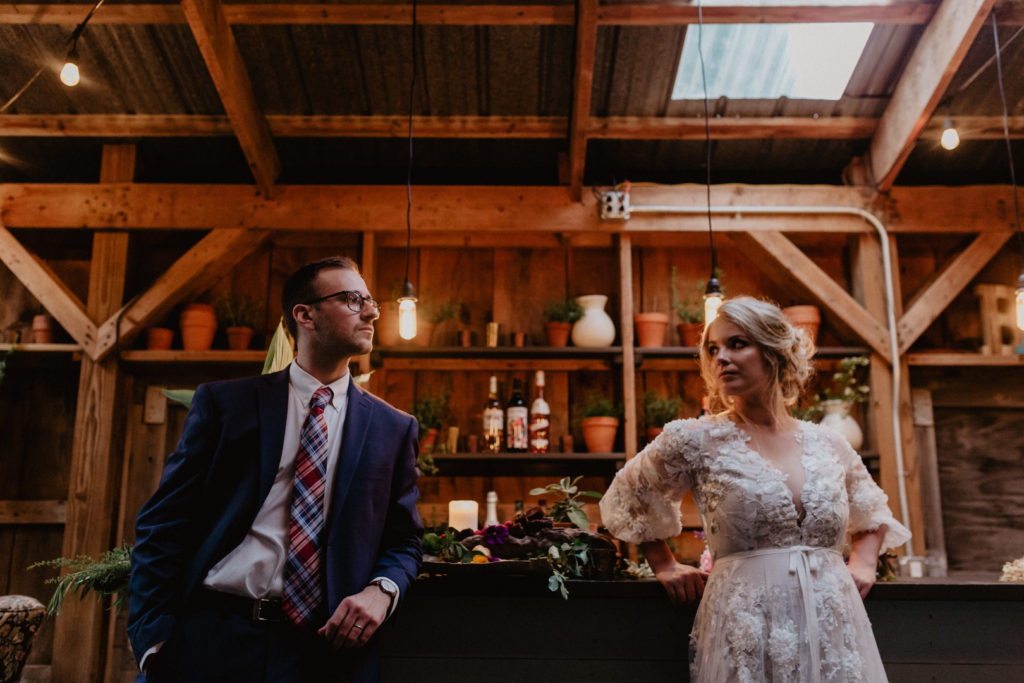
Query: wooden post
{"points": [[931, 497], [79, 640], [628, 355], [869, 289]]}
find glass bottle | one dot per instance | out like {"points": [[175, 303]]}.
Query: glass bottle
{"points": [[517, 418], [540, 418], [494, 419]]}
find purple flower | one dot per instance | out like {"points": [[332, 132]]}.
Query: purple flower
{"points": [[496, 534], [700, 534]]}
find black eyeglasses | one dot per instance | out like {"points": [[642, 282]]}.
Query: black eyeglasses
{"points": [[353, 299]]}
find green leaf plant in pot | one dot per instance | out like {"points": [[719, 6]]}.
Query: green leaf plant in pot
{"points": [[568, 507], [658, 412], [239, 315], [560, 314], [599, 423], [430, 412], [688, 303]]}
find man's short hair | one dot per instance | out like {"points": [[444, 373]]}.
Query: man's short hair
{"points": [[299, 287]]}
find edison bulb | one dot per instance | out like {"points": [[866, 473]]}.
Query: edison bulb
{"points": [[1020, 308], [950, 138], [69, 74], [711, 304], [407, 318]]}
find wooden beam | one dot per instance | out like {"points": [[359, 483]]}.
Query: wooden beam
{"points": [[208, 260], [583, 85], [44, 285], [731, 128], [975, 127], [784, 262], [665, 14], [929, 303], [931, 67], [32, 512], [220, 52], [628, 351]]}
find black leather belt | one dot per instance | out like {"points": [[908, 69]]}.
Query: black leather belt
{"points": [[266, 609]]}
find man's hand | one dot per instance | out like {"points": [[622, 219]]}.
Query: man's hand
{"points": [[682, 582], [357, 618]]}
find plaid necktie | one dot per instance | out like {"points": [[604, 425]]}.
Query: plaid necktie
{"points": [[302, 585]]}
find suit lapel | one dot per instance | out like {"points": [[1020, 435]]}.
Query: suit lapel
{"points": [[273, 408], [353, 438]]}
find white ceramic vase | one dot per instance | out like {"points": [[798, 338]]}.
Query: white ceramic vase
{"points": [[837, 417], [595, 328]]}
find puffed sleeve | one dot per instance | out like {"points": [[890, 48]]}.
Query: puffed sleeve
{"points": [[869, 506], [642, 503]]}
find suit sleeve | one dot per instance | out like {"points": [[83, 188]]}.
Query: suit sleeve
{"points": [[164, 530], [401, 546]]}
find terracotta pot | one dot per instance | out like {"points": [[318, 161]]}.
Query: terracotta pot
{"points": [[652, 433], [159, 338], [807, 318], [599, 433], [558, 333], [42, 329], [198, 325], [239, 338], [690, 333], [386, 327], [650, 329], [427, 441], [423, 334]]}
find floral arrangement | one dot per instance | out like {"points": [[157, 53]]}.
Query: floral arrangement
{"points": [[1013, 572]]}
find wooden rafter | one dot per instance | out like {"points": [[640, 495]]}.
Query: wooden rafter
{"points": [[931, 67], [783, 261], [933, 299], [210, 258], [220, 52], [44, 285], [583, 84]]}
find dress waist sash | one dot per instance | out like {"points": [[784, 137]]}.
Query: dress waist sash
{"points": [[804, 563]]}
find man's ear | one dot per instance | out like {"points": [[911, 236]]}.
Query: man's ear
{"points": [[302, 317]]}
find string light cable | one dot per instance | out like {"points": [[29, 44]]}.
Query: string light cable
{"points": [[70, 52], [1019, 294], [407, 301], [713, 291]]}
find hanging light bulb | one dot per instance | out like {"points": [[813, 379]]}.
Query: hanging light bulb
{"points": [[712, 300], [950, 137], [69, 73], [1020, 301], [407, 312]]}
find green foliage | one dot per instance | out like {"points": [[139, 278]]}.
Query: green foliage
{"points": [[846, 383], [425, 463], [563, 310], [659, 411], [106, 576], [688, 300], [445, 547], [599, 405], [237, 310], [4, 355], [569, 561], [447, 310], [430, 410], [568, 507], [811, 413]]}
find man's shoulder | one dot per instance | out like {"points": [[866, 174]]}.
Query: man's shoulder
{"points": [[231, 388], [384, 409]]}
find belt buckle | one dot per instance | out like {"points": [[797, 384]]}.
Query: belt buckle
{"points": [[257, 610]]}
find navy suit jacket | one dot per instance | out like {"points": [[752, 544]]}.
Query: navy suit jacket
{"points": [[217, 478]]}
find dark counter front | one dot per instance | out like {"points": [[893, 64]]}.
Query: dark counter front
{"points": [[512, 629]]}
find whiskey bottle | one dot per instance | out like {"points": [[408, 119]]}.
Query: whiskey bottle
{"points": [[516, 420], [540, 418], [494, 419]]}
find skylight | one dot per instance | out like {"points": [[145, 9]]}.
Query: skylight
{"points": [[767, 61]]}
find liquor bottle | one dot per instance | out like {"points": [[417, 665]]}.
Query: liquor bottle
{"points": [[494, 419], [704, 410], [540, 419], [491, 518], [516, 420]]}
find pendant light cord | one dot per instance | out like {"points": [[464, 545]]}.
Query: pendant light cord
{"points": [[408, 173], [707, 132], [69, 47], [1006, 137]]}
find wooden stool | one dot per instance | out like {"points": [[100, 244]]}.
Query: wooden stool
{"points": [[999, 332]]}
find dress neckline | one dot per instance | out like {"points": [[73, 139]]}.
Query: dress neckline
{"points": [[796, 500]]}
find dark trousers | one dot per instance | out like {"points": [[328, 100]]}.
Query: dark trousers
{"points": [[215, 647]]}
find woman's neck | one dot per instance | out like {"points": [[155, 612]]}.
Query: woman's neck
{"points": [[762, 415]]}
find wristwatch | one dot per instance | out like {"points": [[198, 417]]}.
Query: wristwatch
{"points": [[389, 588]]}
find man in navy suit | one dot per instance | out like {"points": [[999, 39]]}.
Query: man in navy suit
{"points": [[228, 533]]}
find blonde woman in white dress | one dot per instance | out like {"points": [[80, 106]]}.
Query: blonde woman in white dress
{"points": [[780, 500]]}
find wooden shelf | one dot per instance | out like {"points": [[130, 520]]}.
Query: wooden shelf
{"points": [[41, 348], [962, 359], [514, 358], [182, 356]]}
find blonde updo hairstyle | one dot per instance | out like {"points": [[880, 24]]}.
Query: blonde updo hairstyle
{"points": [[787, 350]]}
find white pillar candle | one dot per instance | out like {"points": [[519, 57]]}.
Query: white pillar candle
{"points": [[463, 514]]}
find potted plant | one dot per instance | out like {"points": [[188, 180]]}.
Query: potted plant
{"points": [[430, 411], [42, 328], [568, 508], [198, 325], [159, 338], [689, 306], [239, 315], [560, 315], [658, 412], [600, 422], [844, 391]]}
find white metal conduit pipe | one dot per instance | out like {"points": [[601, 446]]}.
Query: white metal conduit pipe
{"points": [[883, 236]]}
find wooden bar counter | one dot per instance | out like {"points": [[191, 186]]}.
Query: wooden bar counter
{"points": [[964, 627]]}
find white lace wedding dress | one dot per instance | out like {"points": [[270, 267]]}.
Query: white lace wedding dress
{"points": [[780, 604]]}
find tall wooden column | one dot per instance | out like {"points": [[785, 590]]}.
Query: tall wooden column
{"points": [[869, 289], [80, 632]]}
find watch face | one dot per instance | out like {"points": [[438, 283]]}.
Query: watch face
{"points": [[388, 586]]}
